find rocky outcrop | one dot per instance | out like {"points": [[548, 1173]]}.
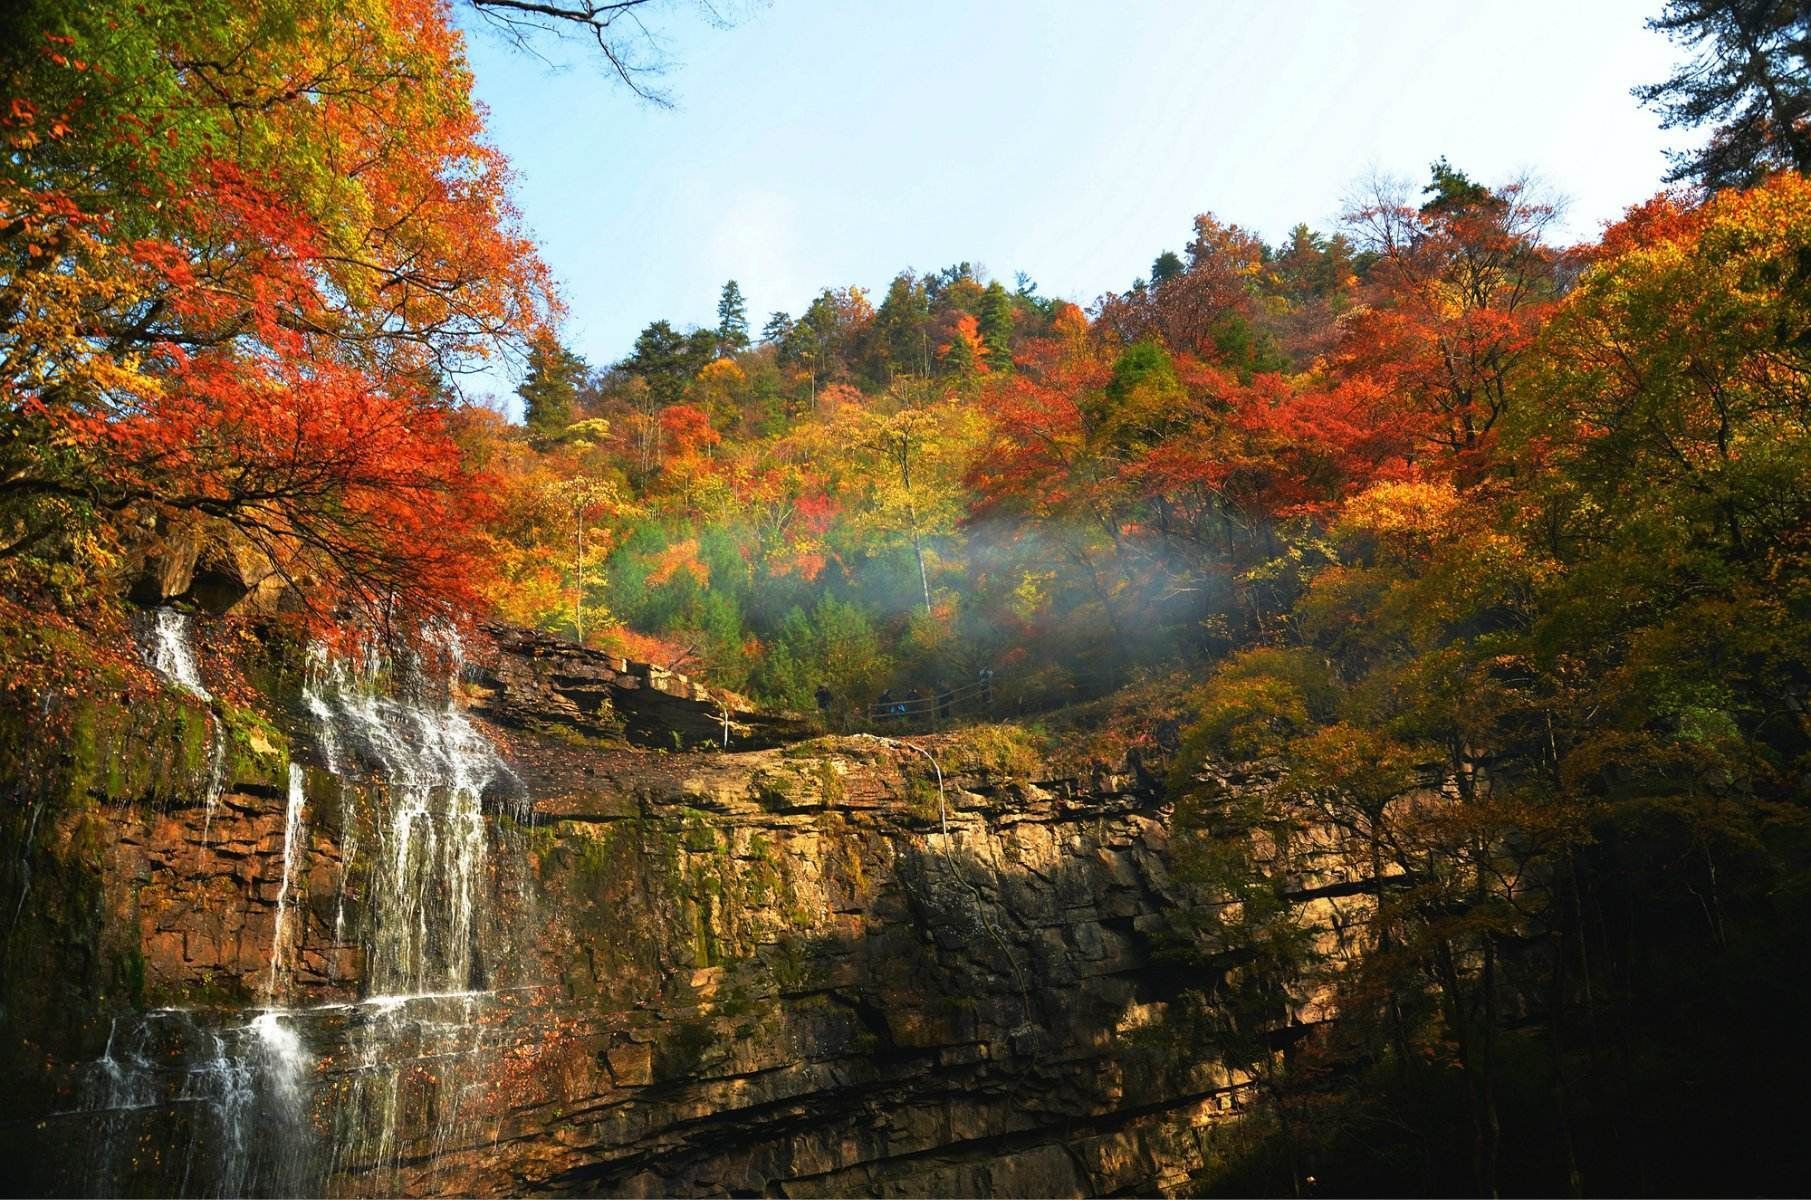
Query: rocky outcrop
{"points": [[530, 679], [845, 966]]}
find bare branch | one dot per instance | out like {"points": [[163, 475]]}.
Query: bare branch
{"points": [[633, 50]]}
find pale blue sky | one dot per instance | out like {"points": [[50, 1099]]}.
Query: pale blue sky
{"points": [[819, 143]]}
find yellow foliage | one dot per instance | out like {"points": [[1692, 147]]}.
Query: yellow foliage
{"points": [[1401, 509]]}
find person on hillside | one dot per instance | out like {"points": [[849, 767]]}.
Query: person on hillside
{"points": [[883, 703], [824, 701], [914, 704], [987, 686], [946, 699]]}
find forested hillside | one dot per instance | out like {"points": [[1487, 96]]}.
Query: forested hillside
{"points": [[1427, 497], [1423, 549]]}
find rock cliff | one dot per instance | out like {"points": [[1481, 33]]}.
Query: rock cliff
{"points": [[841, 966]]}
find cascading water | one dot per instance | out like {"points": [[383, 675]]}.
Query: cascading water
{"points": [[168, 651], [424, 984], [181, 1103], [292, 842], [327, 741], [171, 655], [342, 1097], [433, 768]]}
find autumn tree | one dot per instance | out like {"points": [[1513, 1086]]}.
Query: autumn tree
{"points": [[1207, 307], [1314, 281], [909, 464], [964, 353], [1459, 286], [245, 249], [1510, 717]]}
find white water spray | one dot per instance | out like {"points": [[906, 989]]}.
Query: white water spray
{"points": [[292, 840], [170, 652], [171, 655], [423, 983], [435, 767]]}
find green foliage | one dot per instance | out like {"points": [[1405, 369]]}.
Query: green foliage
{"points": [[732, 319], [996, 326], [1256, 702], [668, 360], [835, 645], [1747, 78], [1450, 190], [550, 392], [902, 329]]}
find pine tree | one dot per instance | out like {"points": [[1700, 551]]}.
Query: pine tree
{"points": [[550, 391], [996, 326], [1452, 191], [778, 325], [1752, 77], [902, 327], [668, 359], [732, 319]]}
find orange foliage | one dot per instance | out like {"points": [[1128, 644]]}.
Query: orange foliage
{"points": [[265, 351]]}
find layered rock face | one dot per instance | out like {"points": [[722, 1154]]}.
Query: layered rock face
{"points": [[527, 678], [794, 981], [802, 970]]}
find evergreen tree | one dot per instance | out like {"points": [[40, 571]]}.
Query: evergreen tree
{"points": [[936, 285], [902, 327], [668, 359], [1451, 191], [550, 392], [1751, 77], [732, 319], [1166, 267], [701, 346], [816, 339], [996, 326], [1025, 294], [778, 325]]}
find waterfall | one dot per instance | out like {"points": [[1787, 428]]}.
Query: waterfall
{"points": [[292, 839], [240, 1089], [170, 654], [173, 1105], [319, 669], [344, 1096], [433, 768], [424, 985], [167, 649]]}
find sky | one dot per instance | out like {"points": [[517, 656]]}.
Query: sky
{"points": [[821, 143]]}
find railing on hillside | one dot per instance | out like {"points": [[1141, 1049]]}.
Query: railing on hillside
{"points": [[989, 694]]}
